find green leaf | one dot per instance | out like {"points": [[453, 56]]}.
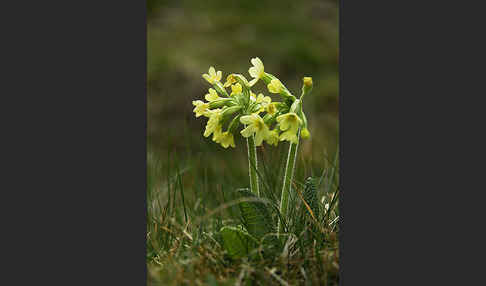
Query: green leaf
{"points": [[236, 241], [257, 220], [256, 217]]}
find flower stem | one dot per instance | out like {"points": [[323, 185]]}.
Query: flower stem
{"points": [[252, 164], [289, 174]]}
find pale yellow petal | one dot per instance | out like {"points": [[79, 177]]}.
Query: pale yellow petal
{"points": [[257, 62], [248, 131], [207, 77], [258, 138], [212, 95], [274, 86], [253, 71], [236, 88], [212, 71], [289, 136], [259, 98], [284, 124], [272, 138]]}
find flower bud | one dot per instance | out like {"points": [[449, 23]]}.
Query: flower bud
{"points": [[228, 111], [221, 102], [307, 86], [305, 133], [307, 81]]}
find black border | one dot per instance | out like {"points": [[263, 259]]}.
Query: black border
{"points": [[76, 143], [405, 78]]}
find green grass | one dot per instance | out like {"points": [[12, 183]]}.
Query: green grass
{"points": [[187, 206]]}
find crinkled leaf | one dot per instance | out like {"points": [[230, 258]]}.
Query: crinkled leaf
{"points": [[257, 219], [236, 241]]}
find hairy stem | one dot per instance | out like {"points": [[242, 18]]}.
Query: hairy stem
{"points": [[289, 174], [252, 164]]}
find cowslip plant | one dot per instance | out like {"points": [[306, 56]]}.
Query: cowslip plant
{"points": [[234, 108]]}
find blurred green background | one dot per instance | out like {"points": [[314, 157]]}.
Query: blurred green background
{"points": [[293, 38]]}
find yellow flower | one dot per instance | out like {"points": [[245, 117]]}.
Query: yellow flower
{"points": [[236, 88], [271, 108], [289, 135], [217, 133], [212, 95], [201, 108], [275, 86], [256, 71], [213, 125], [289, 123], [272, 138], [226, 139], [263, 100], [212, 76], [255, 126], [230, 79], [305, 133]]}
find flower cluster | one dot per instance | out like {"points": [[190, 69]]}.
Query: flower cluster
{"points": [[252, 115]]}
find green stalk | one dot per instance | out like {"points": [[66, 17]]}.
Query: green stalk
{"points": [[252, 162], [289, 174]]}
